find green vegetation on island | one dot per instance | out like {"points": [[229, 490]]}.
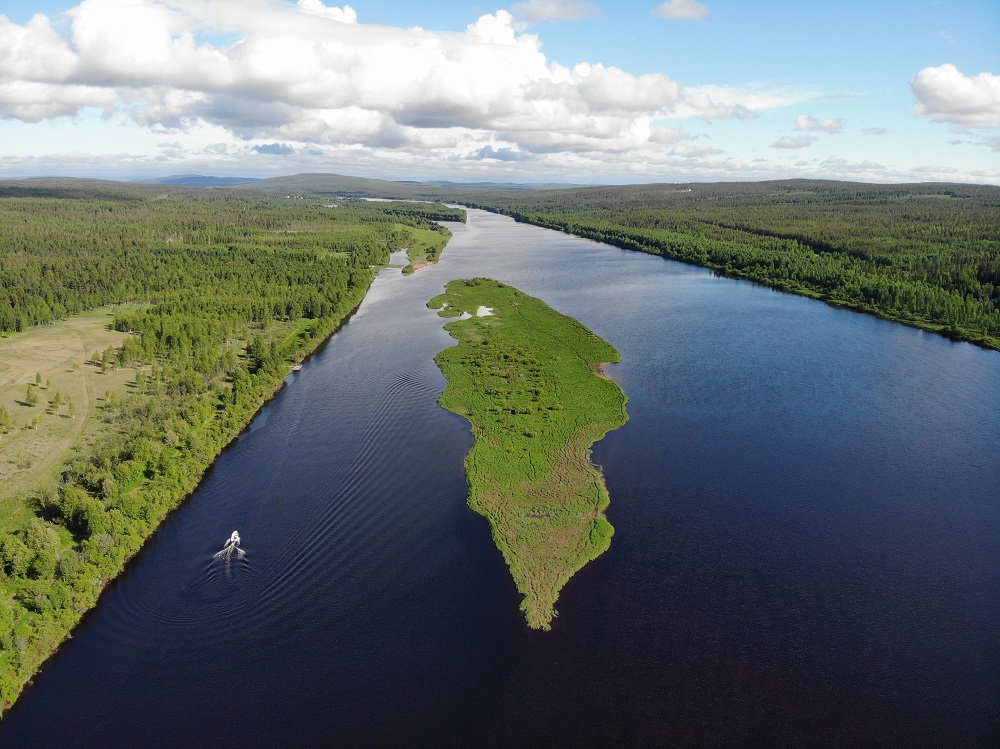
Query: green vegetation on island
{"points": [[425, 245], [156, 322], [527, 379]]}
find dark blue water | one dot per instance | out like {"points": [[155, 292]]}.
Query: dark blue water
{"points": [[807, 547]]}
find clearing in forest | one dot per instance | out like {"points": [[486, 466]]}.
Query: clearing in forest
{"points": [[52, 365]]}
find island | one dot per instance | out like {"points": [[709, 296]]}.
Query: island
{"points": [[427, 241], [529, 380]]}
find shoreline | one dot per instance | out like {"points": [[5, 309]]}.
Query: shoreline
{"points": [[301, 357], [981, 341]]}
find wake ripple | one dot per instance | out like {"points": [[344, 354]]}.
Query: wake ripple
{"points": [[352, 506]]}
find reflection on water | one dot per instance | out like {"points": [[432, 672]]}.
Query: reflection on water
{"points": [[807, 514]]}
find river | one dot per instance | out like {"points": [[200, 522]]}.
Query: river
{"points": [[807, 548]]}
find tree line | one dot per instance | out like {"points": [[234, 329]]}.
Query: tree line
{"points": [[926, 255]]}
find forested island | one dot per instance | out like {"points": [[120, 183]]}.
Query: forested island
{"points": [[197, 303], [526, 378]]}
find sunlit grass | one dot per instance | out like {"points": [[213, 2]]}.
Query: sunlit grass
{"points": [[526, 377], [425, 246]]}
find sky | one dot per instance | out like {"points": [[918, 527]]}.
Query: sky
{"points": [[578, 91]]}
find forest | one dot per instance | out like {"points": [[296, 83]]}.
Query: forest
{"points": [[926, 255], [218, 293]]}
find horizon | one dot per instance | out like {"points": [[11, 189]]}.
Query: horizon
{"points": [[536, 92], [159, 179]]}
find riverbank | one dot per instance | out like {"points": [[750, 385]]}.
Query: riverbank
{"points": [[52, 611], [524, 376], [425, 245], [223, 300], [921, 255]]}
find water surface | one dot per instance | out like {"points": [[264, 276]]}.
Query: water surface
{"points": [[807, 513]]}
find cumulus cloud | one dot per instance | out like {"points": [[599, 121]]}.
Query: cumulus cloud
{"points": [[311, 73], [668, 135], [945, 94], [539, 11], [810, 123], [681, 10], [347, 14], [789, 142]]}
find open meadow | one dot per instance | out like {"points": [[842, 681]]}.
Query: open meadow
{"points": [[56, 362]]}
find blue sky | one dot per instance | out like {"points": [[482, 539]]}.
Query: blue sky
{"points": [[537, 90]]}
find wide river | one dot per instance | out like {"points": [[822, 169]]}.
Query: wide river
{"points": [[807, 548]]}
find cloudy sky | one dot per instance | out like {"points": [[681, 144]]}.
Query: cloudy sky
{"points": [[535, 90]]}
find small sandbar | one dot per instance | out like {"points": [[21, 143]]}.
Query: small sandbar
{"points": [[484, 311]]}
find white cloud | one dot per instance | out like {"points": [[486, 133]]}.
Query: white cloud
{"points": [[759, 95], [875, 131], [347, 14], [945, 94], [274, 86], [34, 52], [810, 123], [690, 152], [744, 102], [789, 142], [33, 102], [935, 170], [539, 11], [681, 10], [701, 104], [863, 170], [293, 77], [668, 135]]}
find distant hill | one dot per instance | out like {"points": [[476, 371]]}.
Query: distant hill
{"points": [[198, 180], [337, 184], [506, 185], [80, 188], [361, 187]]}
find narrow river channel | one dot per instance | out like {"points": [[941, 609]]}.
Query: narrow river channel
{"points": [[807, 549]]}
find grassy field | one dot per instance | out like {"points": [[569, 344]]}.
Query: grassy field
{"points": [[41, 439], [425, 246], [526, 377]]}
